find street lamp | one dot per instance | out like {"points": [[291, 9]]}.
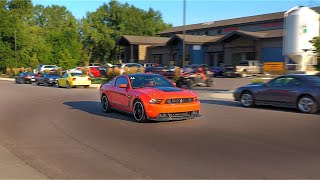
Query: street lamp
{"points": [[15, 46], [184, 33]]}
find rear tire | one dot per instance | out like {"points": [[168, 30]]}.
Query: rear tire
{"points": [[105, 104], [139, 113], [247, 99], [190, 84], [86, 86], [209, 82], [68, 85], [307, 104]]}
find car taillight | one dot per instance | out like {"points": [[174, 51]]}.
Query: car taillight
{"points": [[27, 77], [89, 79], [73, 79], [37, 76]]}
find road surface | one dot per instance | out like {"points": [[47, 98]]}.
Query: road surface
{"points": [[63, 134]]}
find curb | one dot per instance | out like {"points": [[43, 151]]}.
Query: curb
{"points": [[6, 79], [97, 86]]}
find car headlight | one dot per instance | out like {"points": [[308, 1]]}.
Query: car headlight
{"points": [[155, 101], [50, 79], [196, 99]]}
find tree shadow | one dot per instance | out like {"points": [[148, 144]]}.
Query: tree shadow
{"points": [[94, 107], [261, 107]]}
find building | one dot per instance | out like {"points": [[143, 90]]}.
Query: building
{"points": [[214, 43]]}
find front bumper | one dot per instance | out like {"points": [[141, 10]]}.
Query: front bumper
{"points": [[81, 83], [176, 116], [167, 112]]}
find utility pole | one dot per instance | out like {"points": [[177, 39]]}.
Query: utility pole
{"points": [[184, 33], [15, 46]]}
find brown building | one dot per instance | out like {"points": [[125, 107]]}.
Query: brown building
{"points": [[214, 43]]}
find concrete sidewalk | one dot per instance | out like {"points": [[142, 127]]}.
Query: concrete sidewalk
{"points": [[12, 167], [7, 79], [227, 95]]}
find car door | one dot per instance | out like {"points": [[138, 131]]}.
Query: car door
{"points": [[121, 97], [63, 80], [278, 91]]}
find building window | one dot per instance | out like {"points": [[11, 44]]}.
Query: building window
{"points": [[219, 31]]}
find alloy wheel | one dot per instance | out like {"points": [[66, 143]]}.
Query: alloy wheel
{"points": [[138, 111], [306, 104], [247, 100]]}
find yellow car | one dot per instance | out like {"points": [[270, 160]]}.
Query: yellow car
{"points": [[72, 79]]}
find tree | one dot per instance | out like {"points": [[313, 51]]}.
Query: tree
{"points": [[316, 43], [101, 29]]}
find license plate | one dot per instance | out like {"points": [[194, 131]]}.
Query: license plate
{"points": [[33, 80]]}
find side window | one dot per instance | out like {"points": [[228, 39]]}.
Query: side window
{"points": [[283, 81], [112, 81], [121, 80], [65, 75], [296, 82]]}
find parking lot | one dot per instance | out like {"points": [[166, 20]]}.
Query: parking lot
{"points": [[63, 133]]}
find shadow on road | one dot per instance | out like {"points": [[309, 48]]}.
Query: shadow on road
{"points": [[237, 104], [94, 107]]}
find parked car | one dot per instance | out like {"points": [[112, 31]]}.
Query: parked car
{"points": [[293, 91], [150, 64], [44, 68], [245, 68], [47, 79], [95, 71], [74, 79], [225, 71], [25, 78], [149, 97], [130, 66]]}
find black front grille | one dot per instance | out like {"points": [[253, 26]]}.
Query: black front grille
{"points": [[179, 100]]}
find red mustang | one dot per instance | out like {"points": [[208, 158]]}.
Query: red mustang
{"points": [[149, 96]]}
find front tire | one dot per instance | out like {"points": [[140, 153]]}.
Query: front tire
{"points": [[247, 99], [139, 112], [307, 104], [86, 86], [105, 104]]}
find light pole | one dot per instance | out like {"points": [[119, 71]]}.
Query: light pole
{"points": [[15, 46], [184, 33]]}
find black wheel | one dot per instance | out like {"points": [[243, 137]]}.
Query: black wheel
{"points": [[247, 99], [307, 104], [67, 85], [45, 83], [86, 86], [178, 84], [189, 84], [37, 83], [209, 82], [58, 85], [105, 104], [139, 112], [22, 81]]}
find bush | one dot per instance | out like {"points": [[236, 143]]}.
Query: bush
{"points": [[113, 72], [257, 81], [177, 74]]}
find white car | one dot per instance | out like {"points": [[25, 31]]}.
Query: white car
{"points": [[48, 68]]}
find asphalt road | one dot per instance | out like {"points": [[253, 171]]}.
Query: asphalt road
{"points": [[64, 134]]}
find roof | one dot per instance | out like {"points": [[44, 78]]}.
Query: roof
{"points": [[194, 39], [278, 16], [147, 40], [256, 35]]}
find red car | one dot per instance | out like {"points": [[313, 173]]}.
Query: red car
{"points": [[95, 71], [149, 97]]}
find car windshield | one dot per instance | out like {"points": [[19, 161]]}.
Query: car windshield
{"points": [[314, 79], [76, 74], [140, 81], [49, 66]]}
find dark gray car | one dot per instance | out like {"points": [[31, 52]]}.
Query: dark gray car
{"points": [[47, 79], [293, 91]]}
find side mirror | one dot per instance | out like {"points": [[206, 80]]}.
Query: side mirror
{"points": [[174, 84], [122, 86]]}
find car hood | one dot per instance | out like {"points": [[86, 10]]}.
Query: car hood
{"points": [[255, 85], [167, 92]]}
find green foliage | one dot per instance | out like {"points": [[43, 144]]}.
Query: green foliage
{"points": [[257, 81], [52, 35], [316, 43]]}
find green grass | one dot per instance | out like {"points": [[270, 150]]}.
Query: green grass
{"points": [[98, 80], [257, 81]]}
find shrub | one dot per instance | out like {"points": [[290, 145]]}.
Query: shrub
{"points": [[113, 72], [59, 71], [142, 70], [177, 73], [16, 71], [29, 69], [9, 72], [257, 81]]}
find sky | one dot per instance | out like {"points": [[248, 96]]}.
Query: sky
{"points": [[198, 11]]}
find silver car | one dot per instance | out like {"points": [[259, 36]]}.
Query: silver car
{"points": [[293, 91]]}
